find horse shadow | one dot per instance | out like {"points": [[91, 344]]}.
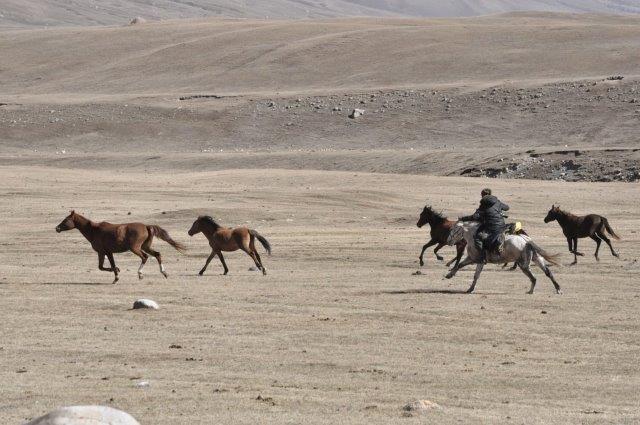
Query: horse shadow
{"points": [[424, 291], [71, 283]]}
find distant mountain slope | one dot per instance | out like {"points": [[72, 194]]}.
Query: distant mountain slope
{"points": [[16, 13]]}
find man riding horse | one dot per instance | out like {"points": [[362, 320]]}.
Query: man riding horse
{"points": [[489, 215]]}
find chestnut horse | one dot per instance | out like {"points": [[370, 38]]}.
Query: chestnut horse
{"points": [[440, 228], [574, 227], [229, 239], [107, 239]]}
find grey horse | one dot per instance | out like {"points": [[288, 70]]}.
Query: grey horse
{"points": [[517, 248]]}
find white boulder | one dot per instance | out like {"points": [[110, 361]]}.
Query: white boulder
{"points": [[85, 415], [145, 303]]}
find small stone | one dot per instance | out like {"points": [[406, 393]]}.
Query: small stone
{"points": [[137, 21], [356, 113], [145, 303], [421, 406]]}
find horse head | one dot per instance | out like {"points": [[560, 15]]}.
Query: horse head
{"points": [[553, 214], [67, 224], [425, 216]]}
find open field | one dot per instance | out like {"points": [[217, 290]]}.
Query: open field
{"points": [[340, 331], [247, 120]]}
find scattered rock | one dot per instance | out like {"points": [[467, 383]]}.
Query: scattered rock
{"points": [[145, 303], [615, 78], [138, 20], [267, 400], [421, 406], [356, 113], [85, 415], [416, 273], [142, 384]]}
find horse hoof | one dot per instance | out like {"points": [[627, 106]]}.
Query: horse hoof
{"points": [[264, 273], [448, 276], [117, 270], [140, 276], [200, 273], [166, 276], [529, 292], [114, 281], [469, 291], [559, 292], [440, 258]]}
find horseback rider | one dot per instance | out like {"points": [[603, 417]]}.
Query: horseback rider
{"points": [[491, 218]]}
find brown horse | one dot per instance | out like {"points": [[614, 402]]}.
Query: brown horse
{"points": [[575, 227], [440, 228], [107, 239], [227, 239]]}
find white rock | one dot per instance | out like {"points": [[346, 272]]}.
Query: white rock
{"points": [[356, 113], [137, 21], [421, 406], [145, 303], [85, 415]]}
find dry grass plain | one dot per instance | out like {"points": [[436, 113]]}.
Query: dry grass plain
{"points": [[340, 331]]}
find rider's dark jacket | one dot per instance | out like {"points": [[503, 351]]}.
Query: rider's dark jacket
{"points": [[489, 215]]}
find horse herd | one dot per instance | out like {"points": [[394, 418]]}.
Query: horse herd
{"points": [[107, 239]]}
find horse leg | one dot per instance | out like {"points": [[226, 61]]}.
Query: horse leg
{"points": [[459, 252], [479, 267], [113, 266], [424, 248], [575, 248], [532, 278], [435, 251], [146, 248], [543, 265], [264, 271], [206, 264], [101, 263], [574, 251], [143, 257], [598, 241], [458, 266], [608, 242], [226, 269], [158, 257], [255, 259]]}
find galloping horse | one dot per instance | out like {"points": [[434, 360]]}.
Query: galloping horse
{"points": [[227, 239], [107, 239], [440, 228], [518, 248], [575, 227]]}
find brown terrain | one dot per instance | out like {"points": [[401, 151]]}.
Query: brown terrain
{"points": [[248, 121]]}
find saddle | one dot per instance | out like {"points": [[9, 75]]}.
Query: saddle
{"points": [[498, 245]]}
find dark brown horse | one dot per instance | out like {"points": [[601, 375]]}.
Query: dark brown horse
{"points": [[227, 239], [440, 228], [107, 239], [575, 227]]}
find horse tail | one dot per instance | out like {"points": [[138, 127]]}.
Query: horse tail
{"points": [[265, 243], [609, 229], [164, 235], [551, 258]]}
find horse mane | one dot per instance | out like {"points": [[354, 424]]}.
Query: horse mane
{"points": [[210, 220], [438, 216], [565, 213]]}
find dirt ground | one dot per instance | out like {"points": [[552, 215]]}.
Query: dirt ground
{"points": [[339, 331]]}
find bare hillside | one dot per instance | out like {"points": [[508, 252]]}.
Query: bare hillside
{"points": [[118, 12], [465, 96]]}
